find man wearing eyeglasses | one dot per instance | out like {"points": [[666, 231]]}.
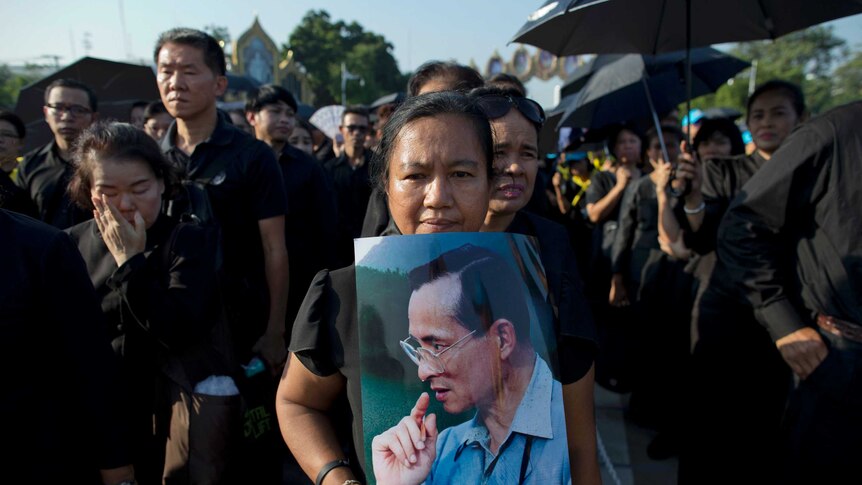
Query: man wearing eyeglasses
{"points": [[469, 328], [70, 107], [350, 177]]}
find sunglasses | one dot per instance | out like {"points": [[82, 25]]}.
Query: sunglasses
{"points": [[497, 105]]}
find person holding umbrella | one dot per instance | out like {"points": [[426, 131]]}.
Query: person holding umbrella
{"points": [[716, 419]]}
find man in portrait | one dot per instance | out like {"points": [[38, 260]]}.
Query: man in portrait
{"points": [[469, 334]]}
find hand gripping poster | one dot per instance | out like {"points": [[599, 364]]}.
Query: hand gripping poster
{"points": [[460, 374]]}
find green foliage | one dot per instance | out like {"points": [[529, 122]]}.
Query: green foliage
{"points": [[808, 58], [11, 84], [321, 45], [847, 80]]}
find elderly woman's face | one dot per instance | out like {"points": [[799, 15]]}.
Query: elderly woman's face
{"points": [[438, 178], [131, 186]]}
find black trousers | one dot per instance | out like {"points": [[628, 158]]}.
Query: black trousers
{"points": [[738, 389], [823, 424]]}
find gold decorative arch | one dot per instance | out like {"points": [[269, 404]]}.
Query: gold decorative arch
{"points": [[256, 55]]}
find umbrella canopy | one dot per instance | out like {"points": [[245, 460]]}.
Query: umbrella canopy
{"points": [[570, 27], [616, 91], [117, 85]]}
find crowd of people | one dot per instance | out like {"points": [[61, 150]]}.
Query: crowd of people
{"points": [[717, 281]]}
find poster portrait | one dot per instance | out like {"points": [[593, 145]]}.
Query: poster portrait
{"points": [[456, 333]]}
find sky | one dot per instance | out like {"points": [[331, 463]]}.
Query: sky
{"points": [[419, 30]]}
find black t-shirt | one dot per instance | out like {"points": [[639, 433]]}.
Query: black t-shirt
{"points": [[248, 190], [310, 226], [352, 190], [44, 175]]}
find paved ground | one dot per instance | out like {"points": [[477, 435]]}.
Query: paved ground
{"points": [[625, 445]]}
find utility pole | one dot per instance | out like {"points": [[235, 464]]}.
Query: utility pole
{"points": [[752, 77], [345, 76]]}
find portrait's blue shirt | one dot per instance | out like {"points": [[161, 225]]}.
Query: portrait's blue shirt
{"points": [[464, 455]]}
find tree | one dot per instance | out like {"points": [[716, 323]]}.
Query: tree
{"points": [[847, 81], [321, 45], [807, 58], [11, 84]]}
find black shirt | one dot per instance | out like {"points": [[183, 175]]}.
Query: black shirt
{"points": [[310, 227], [59, 409], [44, 175], [352, 188], [791, 242], [723, 179], [248, 190], [14, 198]]}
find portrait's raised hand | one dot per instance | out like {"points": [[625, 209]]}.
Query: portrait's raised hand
{"points": [[123, 238], [404, 453]]}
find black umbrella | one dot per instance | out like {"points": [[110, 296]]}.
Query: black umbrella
{"points": [[118, 85], [567, 27], [633, 86], [570, 27]]}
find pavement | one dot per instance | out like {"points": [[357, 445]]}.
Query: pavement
{"points": [[623, 444]]}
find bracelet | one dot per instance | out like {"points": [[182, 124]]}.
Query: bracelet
{"points": [[696, 210], [328, 468]]}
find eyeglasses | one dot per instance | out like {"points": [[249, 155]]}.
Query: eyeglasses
{"points": [[497, 105], [72, 109], [357, 128], [419, 354], [9, 135]]}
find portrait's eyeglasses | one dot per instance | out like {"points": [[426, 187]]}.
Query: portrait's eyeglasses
{"points": [[72, 109], [420, 355], [497, 105], [9, 135], [356, 128]]}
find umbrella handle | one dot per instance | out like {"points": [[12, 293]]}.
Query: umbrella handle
{"points": [[655, 120]]}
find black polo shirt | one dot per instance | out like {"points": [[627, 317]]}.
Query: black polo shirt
{"points": [[248, 190], [44, 175]]}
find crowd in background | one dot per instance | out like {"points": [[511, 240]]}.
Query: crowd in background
{"points": [[196, 242]]}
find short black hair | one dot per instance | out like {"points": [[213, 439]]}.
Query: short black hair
{"points": [[269, 94], [489, 288], [426, 106], [356, 110], [504, 80], [153, 109], [461, 78], [139, 104], [74, 84], [15, 121], [726, 127], [212, 51], [618, 130], [789, 89]]}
